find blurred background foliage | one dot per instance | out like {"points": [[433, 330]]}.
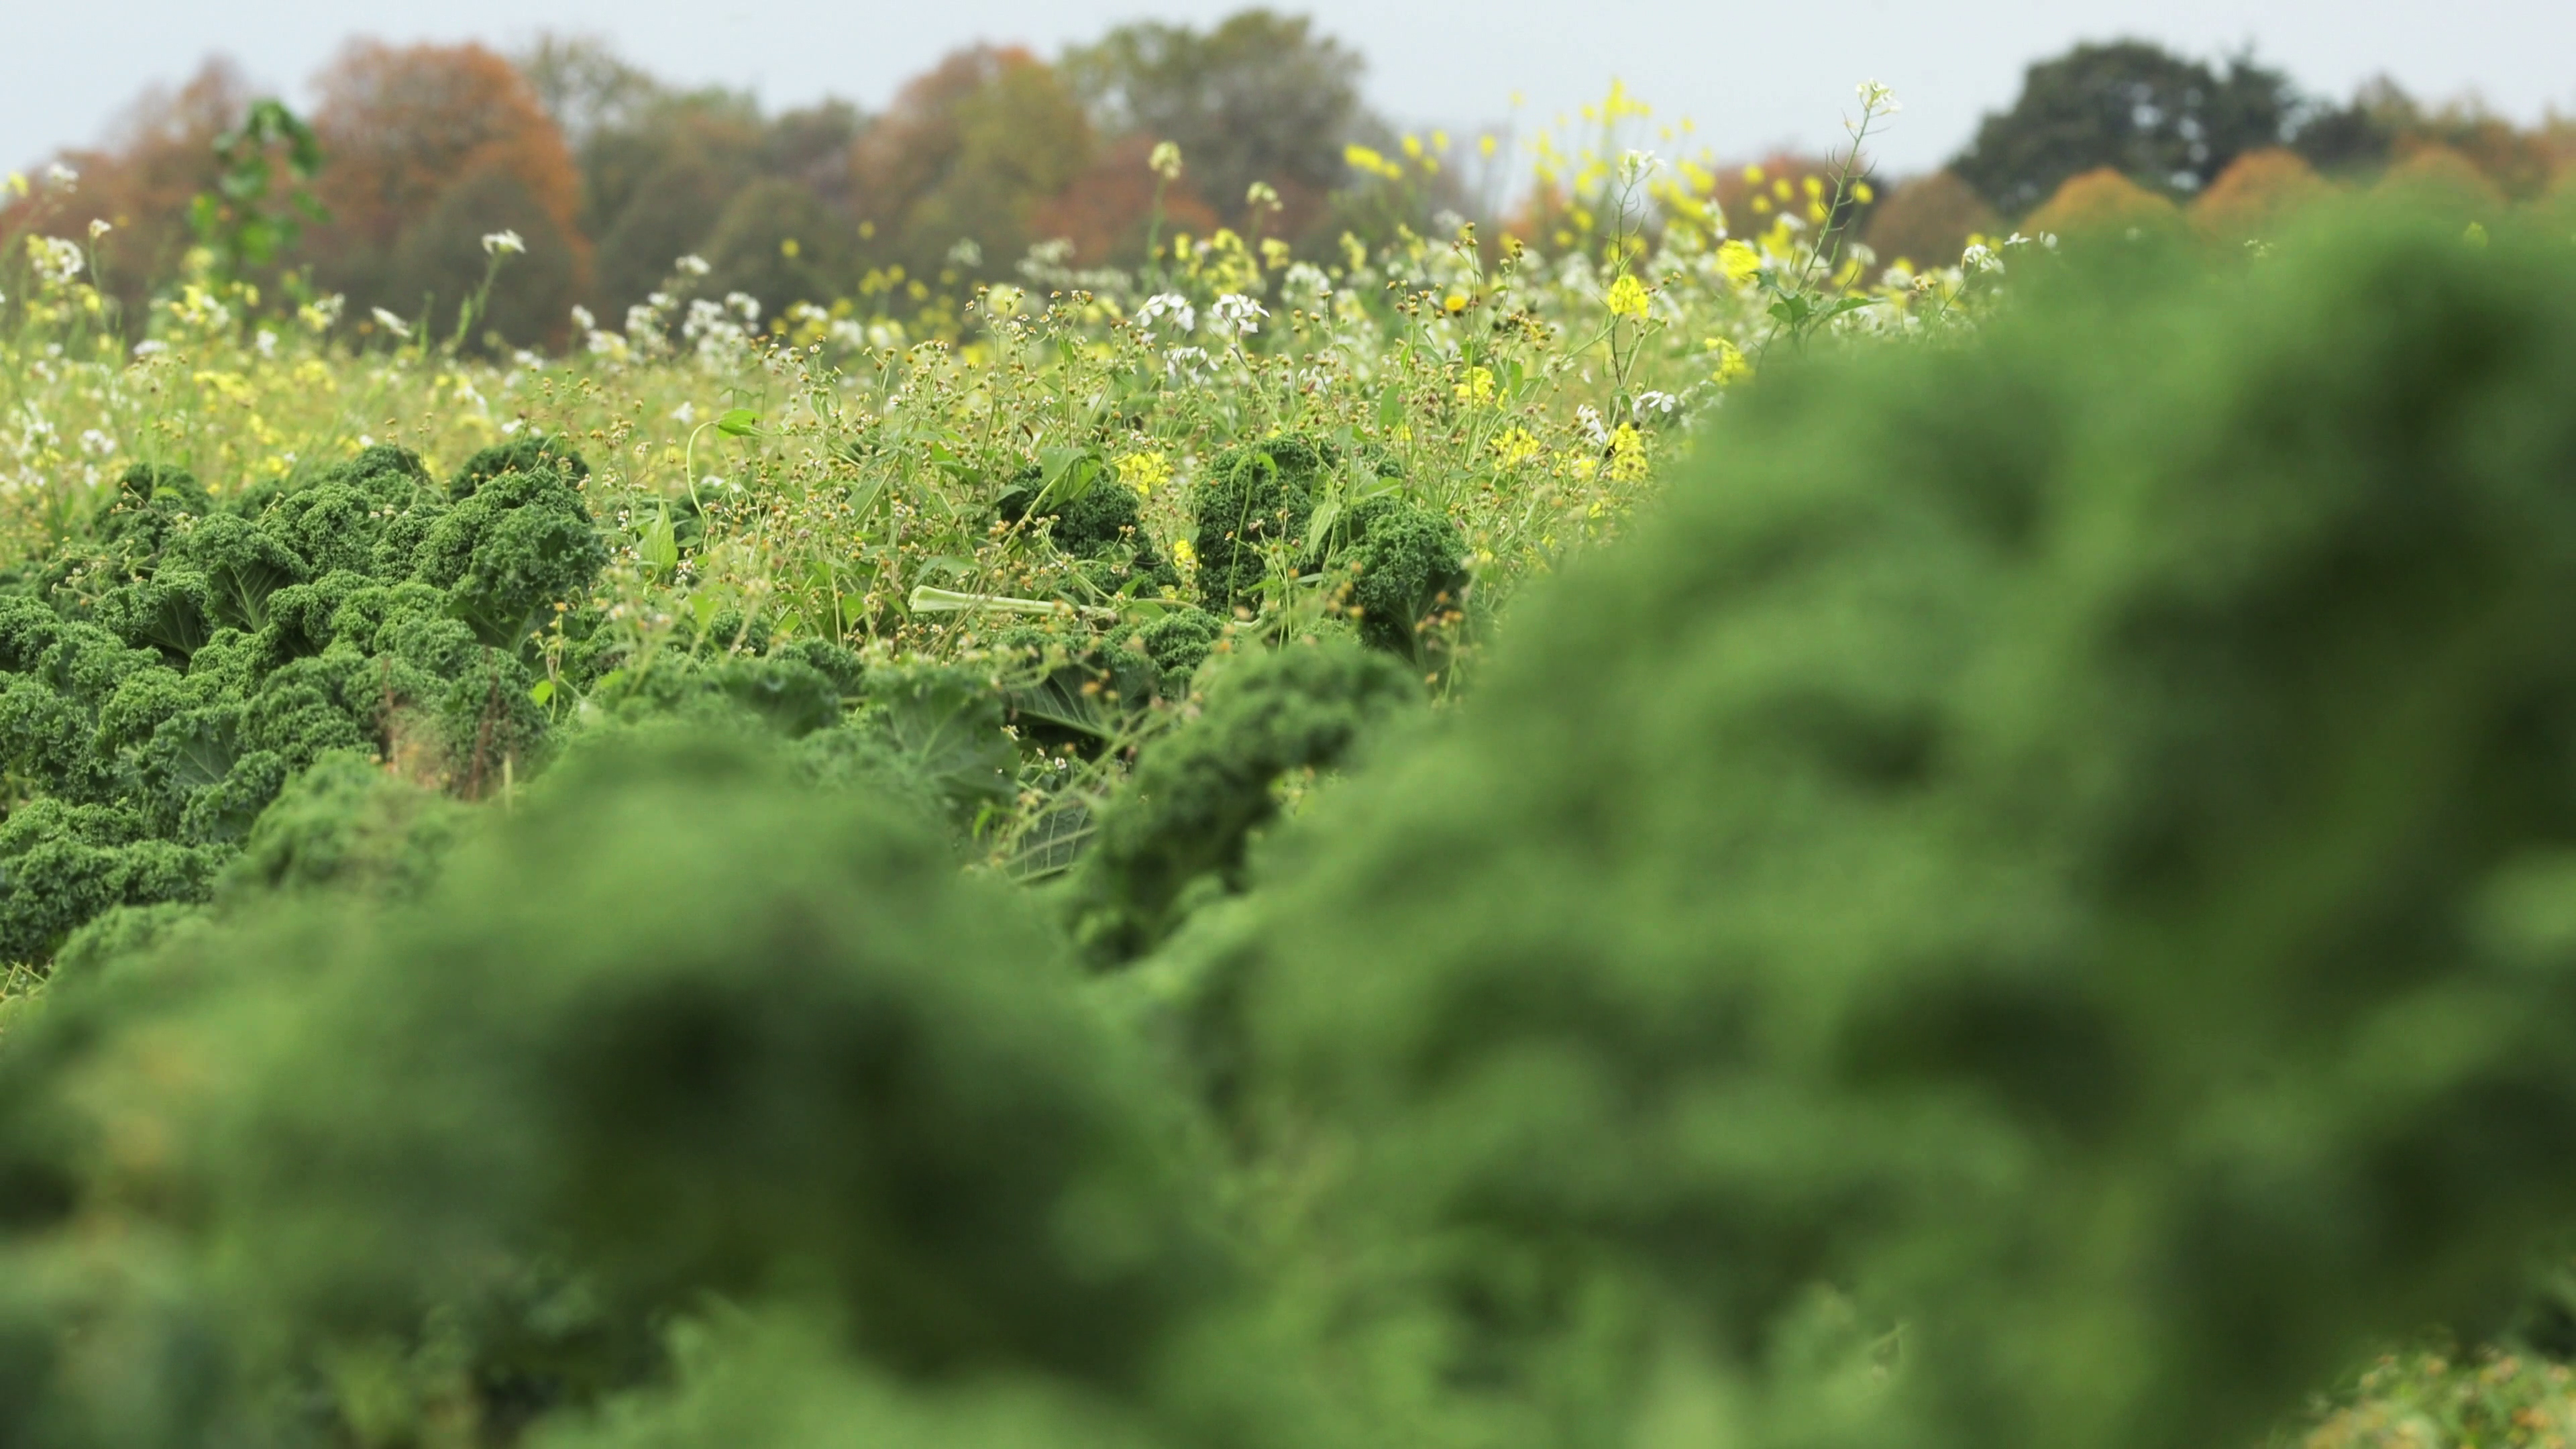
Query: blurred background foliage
{"points": [[607, 173]]}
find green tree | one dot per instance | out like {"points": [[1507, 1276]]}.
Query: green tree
{"points": [[2162, 120], [780, 243], [1262, 97], [967, 153]]}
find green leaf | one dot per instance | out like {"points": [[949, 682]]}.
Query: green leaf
{"points": [[738, 423], [659, 545], [543, 692], [928, 600]]}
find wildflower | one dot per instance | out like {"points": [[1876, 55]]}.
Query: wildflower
{"points": [[1263, 197], [1732, 367], [265, 343], [150, 347], [1980, 257], [1588, 418], [1478, 387], [391, 323], [1877, 99], [96, 444], [1145, 471], [1184, 317], [1367, 159], [1165, 161], [56, 260], [1662, 402], [1515, 446], [1863, 193], [61, 177], [497, 242], [1455, 303], [1235, 314], [1190, 360], [1627, 297], [685, 414], [98, 227], [16, 184], [1753, 175], [690, 265], [1184, 554], [582, 318], [1627, 454], [1739, 261]]}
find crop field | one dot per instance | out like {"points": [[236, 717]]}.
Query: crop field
{"points": [[1630, 820]]}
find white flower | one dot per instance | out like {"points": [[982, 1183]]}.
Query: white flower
{"points": [[744, 304], [582, 318], [1589, 419], [96, 443], [150, 347], [1662, 402], [1185, 318], [1165, 161], [658, 301], [1980, 258], [1636, 166], [392, 323], [1878, 98], [497, 242], [62, 176], [56, 259], [685, 414], [1235, 314], [511, 429], [1190, 360], [692, 264], [266, 342], [98, 227]]}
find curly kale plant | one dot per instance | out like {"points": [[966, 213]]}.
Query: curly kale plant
{"points": [[195, 655], [674, 1034], [2029, 902], [1199, 793]]}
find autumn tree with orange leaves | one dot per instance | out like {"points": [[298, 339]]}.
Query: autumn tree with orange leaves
{"points": [[431, 148]]}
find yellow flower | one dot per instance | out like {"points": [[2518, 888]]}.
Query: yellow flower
{"points": [[1627, 454], [1863, 193], [1627, 297], [1731, 364], [1516, 446], [1740, 262], [1454, 303], [1182, 551], [791, 248], [1368, 159], [1145, 471], [1753, 175]]}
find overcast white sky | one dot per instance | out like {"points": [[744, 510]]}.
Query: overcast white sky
{"points": [[1749, 74]]}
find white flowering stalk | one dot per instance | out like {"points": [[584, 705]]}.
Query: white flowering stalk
{"points": [[1235, 315]]}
